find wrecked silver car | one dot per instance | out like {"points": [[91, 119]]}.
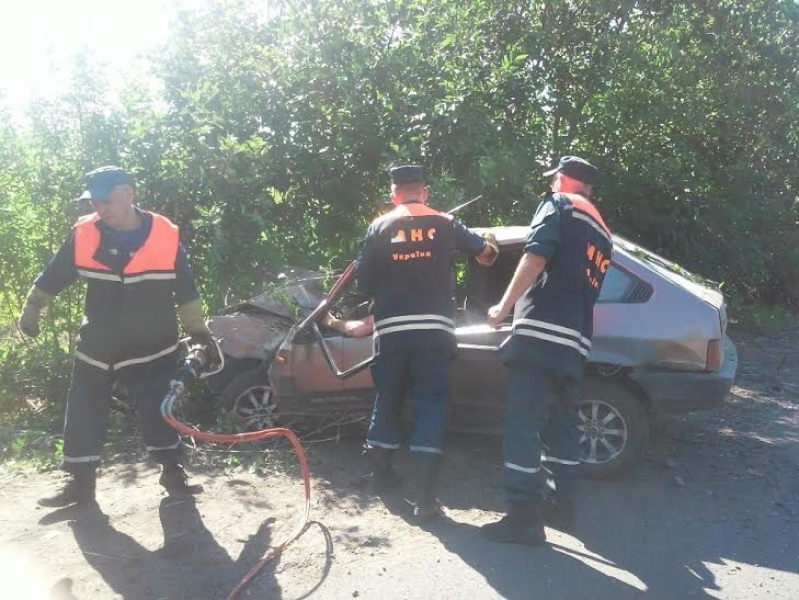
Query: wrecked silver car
{"points": [[660, 346]]}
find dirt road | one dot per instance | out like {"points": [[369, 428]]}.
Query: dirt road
{"points": [[712, 512]]}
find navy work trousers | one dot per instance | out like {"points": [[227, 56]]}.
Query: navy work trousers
{"points": [[541, 414], [424, 376], [86, 422]]}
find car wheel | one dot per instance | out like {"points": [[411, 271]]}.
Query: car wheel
{"points": [[248, 402], [614, 429]]}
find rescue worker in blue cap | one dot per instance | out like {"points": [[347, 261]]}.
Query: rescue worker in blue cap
{"points": [[554, 289], [136, 271], [406, 265]]}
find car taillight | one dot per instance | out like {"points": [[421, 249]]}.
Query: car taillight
{"points": [[714, 354]]}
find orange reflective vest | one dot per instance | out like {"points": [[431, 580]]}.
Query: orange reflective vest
{"points": [[154, 260], [130, 317]]}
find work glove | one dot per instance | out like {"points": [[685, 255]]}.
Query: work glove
{"points": [[193, 321], [35, 303], [491, 240], [488, 259]]}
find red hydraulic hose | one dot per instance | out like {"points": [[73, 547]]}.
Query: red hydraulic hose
{"points": [[252, 436], [176, 392]]}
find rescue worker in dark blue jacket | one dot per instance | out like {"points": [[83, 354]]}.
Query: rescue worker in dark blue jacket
{"points": [[406, 265], [554, 289], [136, 271]]}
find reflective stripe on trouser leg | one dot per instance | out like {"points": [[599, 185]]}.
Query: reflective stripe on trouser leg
{"points": [[148, 384], [390, 374], [429, 372], [86, 422], [530, 394], [562, 435]]}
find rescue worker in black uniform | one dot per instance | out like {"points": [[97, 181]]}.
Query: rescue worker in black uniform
{"points": [[136, 271], [406, 265], [554, 289]]}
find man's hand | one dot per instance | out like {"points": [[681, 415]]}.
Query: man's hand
{"points": [[361, 328], [530, 268], [490, 253], [35, 303], [351, 328], [497, 314], [192, 319], [329, 321], [29, 321]]}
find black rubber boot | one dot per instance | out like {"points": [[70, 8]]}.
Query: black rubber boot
{"points": [[175, 480], [381, 477], [426, 506], [79, 489], [522, 525], [558, 505]]}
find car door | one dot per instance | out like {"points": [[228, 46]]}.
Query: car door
{"points": [[479, 379]]}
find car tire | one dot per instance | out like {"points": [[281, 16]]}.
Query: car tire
{"points": [[248, 402], [614, 429]]}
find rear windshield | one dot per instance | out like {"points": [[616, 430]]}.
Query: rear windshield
{"points": [[657, 260]]}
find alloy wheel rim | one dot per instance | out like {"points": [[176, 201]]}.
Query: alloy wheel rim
{"points": [[603, 432], [256, 408]]}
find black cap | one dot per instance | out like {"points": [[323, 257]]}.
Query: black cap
{"points": [[100, 182], [576, 168], [406, 174]]}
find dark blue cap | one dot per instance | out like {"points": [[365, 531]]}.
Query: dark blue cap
{"points": [[406, 174], [100, 182], [576, 168]]}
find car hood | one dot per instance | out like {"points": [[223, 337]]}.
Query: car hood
{"points": [[255, 328], [295, 293]]}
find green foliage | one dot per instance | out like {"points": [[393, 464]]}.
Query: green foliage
{"points": [[29, 449], [265, 134], [759, 318]]}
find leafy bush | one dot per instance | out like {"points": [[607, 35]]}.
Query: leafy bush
{"points": [[266, 138]]}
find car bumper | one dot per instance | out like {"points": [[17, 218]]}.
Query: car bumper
{"points": [[672, 391]]}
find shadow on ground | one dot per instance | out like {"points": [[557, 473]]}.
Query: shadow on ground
{"points": [[190, 565], [726, 498]]}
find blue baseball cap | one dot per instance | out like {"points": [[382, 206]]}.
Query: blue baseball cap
{"points": [[100, 182], [406, 174], [576, 168]]}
